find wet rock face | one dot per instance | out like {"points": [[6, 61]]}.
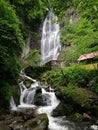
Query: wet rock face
{"points": [[40, 99], [46, 100]]}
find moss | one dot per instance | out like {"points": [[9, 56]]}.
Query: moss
{"points": [[77, 95], [82, 96], [38, 123], [77, 117]]}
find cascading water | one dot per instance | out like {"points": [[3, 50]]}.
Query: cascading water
{"points": [[53, 125], [27, 101], [50, 41], [12, 104]]}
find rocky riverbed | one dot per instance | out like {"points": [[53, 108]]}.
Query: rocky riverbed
{"points": [[24, 119]]}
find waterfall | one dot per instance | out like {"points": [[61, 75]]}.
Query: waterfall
{"points": [[12, 104], [27, 99], [50, 41], [27, 95]]}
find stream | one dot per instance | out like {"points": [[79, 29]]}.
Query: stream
{"points": [[55, 123]]}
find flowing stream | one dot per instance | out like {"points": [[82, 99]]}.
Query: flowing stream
{"points": [[50, 41], [55, 123]]}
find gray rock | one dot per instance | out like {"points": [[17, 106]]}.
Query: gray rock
{"points": [[61, 110], [38, 123]]}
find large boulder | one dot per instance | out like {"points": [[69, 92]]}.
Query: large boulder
{"points": [[41, 99], [28, 112], [27, 119], [46, 100], [38, 97], [38, 123], [62, 109]]}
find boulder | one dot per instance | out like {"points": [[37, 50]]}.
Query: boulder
{"points": [[24, 113], [86, 117], [38, 99], [27, 120], [38, 123], [38, 96], [46, 100], [62, 110]]}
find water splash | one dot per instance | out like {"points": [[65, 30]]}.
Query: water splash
{"points": [[54, 123], [12, 104]]}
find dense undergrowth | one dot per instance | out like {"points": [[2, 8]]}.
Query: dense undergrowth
{"points": [[74, 75], [76, 87]]}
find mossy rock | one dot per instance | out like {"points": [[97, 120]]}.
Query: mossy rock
{"points": [[78, 96], [38, 123], [77, 117], [81, 100], [62, 110], [28, 83]]}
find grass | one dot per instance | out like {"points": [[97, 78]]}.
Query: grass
{"points": [[90, 66]]}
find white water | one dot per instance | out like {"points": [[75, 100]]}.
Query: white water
{"points": [[50, 41], [53, 122], [12, 104], [27, 101], [27, 95]]}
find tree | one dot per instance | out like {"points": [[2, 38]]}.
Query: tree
{"points": [[82, 35], [11, 43]]}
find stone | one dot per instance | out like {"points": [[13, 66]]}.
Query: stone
{"points": [[46, 100], [26, 120], [61, 110], [86, 117], [24, 113], [38, 123]]}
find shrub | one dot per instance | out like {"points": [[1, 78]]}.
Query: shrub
{"points": [[77, 75], [53, 77], [77, 95], [74, 75], [5, 94]]}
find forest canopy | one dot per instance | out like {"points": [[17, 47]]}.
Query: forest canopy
{"points": [[11, 43]]}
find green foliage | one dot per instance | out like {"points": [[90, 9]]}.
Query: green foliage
{"points": [[77, 76], [35, 71], [93, 82], [5, 94], [74, 76], [81, 36], [34, 58], [77, 95], [11, 43], [77, 117], [30, 12], [53, 77]]}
